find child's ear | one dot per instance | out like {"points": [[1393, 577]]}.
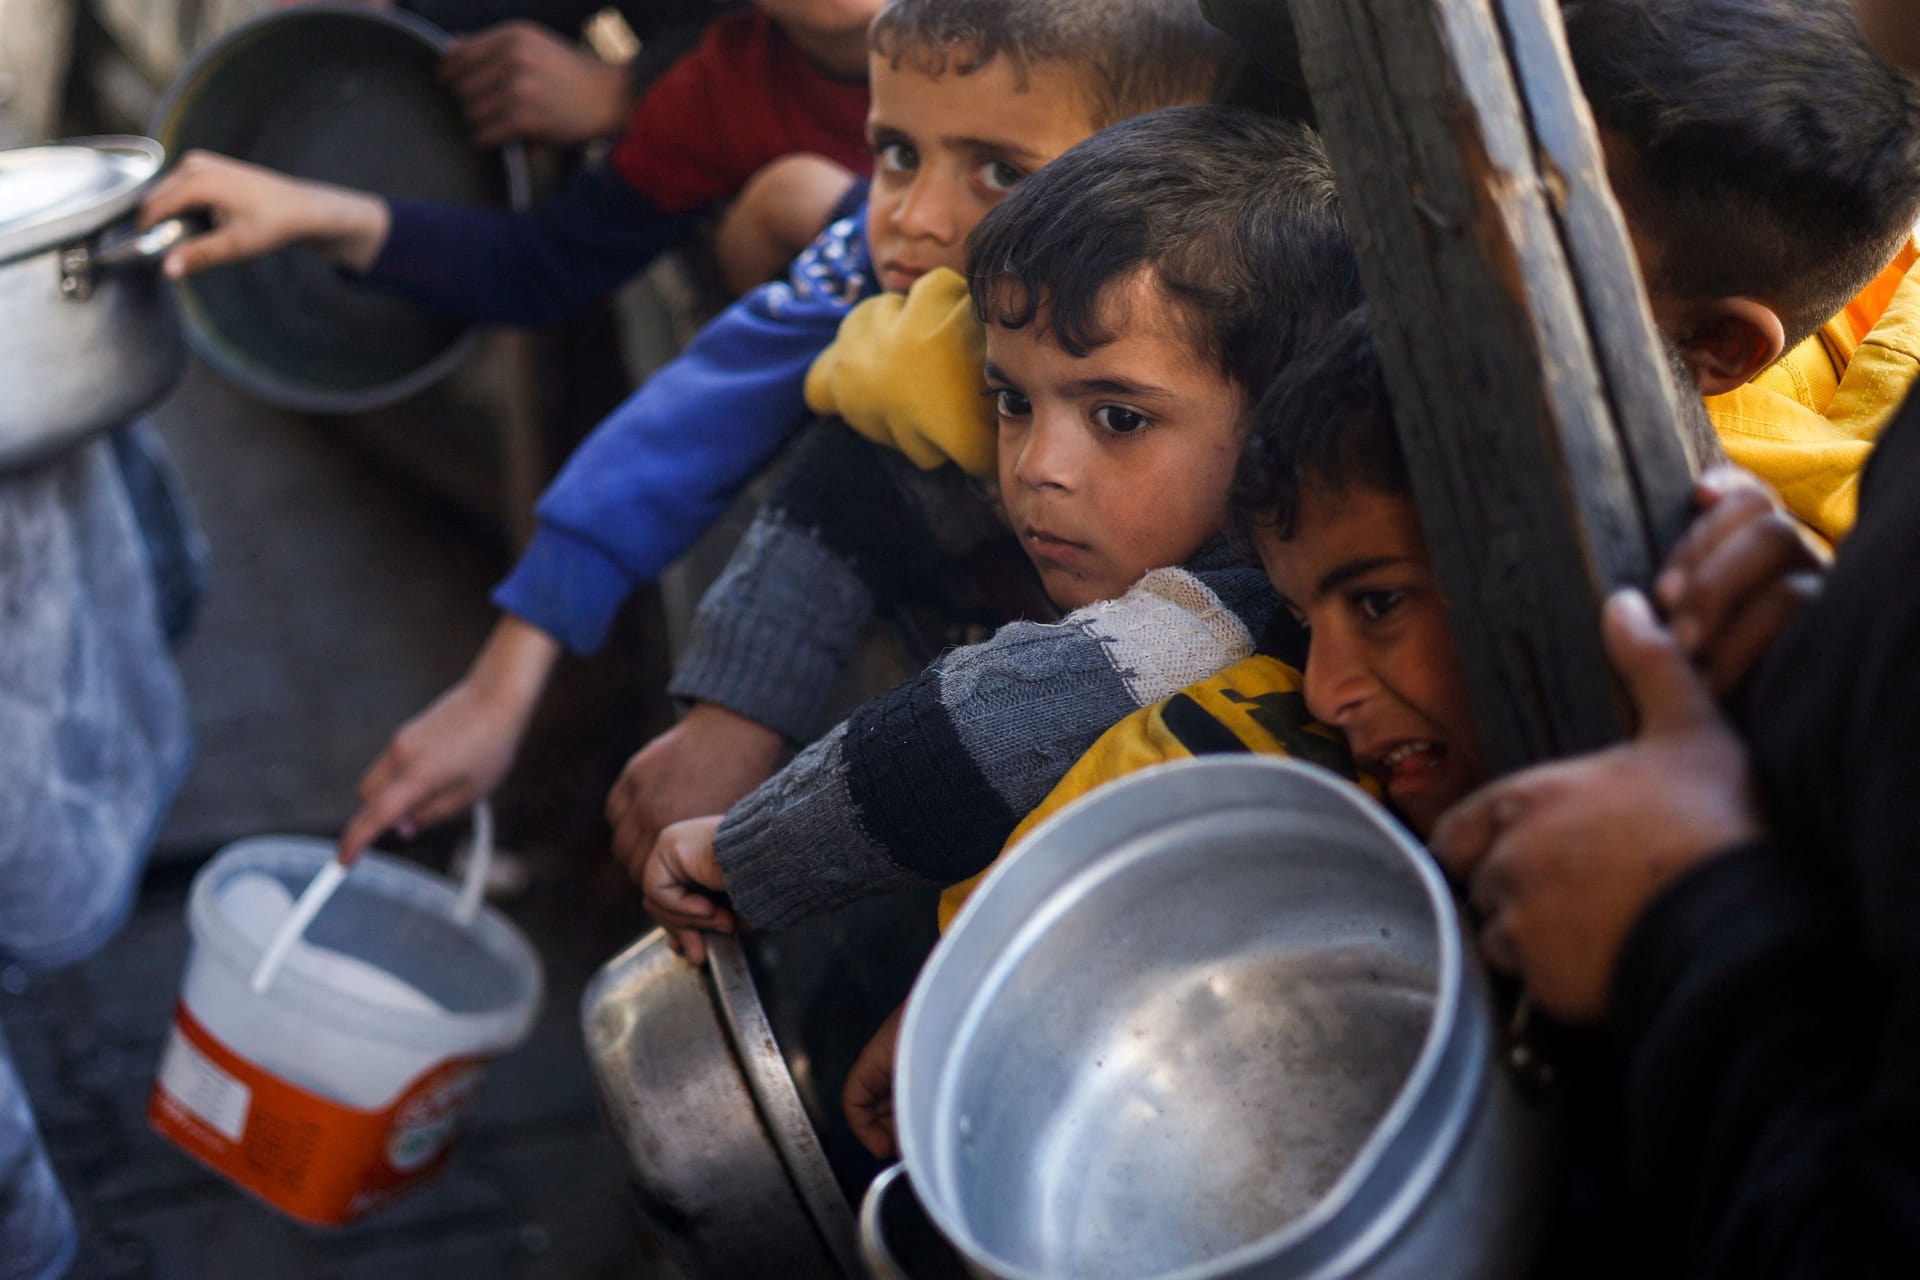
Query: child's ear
{"points": [[1724, 341]]}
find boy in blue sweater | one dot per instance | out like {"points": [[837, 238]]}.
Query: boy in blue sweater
{"points": [[968, 98]]}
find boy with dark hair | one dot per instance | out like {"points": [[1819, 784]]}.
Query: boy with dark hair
{"points": [[1769, 168], [951, 134], [784, 620], [1203, 245]]}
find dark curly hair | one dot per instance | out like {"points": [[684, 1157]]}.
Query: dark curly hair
{"points": [[1234, 214]]}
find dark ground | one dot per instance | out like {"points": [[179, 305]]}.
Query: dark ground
{"points": [[342, 599]]}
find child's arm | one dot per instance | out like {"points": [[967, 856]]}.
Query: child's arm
{"points": [[848, 528], [490, 266], [775, 216], [457, 750], [923, 784], [521, 80], [256, 211], [661, 469]]}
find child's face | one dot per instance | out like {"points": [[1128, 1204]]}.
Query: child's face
{"points": [[1116, 463], [1380, 657], [948, 148]]}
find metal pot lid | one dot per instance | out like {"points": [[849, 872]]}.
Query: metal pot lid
{"points": [[61, 192]]}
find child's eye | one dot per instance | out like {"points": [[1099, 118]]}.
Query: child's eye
{"points": [[896, 156], [1008, 403], [1375, 605], [1120, 420], [1000, 176]]}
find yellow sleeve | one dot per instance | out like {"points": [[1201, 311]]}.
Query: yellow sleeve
{"points": [[905, 372], [1138, 742], [1256, 705]]}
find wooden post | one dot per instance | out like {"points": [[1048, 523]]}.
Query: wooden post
{"points": [[1535, 407]]}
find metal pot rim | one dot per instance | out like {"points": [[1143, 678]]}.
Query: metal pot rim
{"points": [[770, 1081], [271, 383], [1437, 1092], [139, 158]]}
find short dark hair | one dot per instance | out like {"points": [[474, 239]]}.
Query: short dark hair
{"points": [[1235, 216], [1327, 423], [1768, 152], [1131, 55]]}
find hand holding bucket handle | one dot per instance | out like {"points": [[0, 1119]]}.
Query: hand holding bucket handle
{"points": [[329, 878]]}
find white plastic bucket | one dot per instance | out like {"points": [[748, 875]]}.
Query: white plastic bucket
{"points": [[347, 1082]]}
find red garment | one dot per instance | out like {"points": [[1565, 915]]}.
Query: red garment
{"points": [[745, 96]]}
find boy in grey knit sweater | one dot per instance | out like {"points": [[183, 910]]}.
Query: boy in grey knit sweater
{"points": [[1137, 293]]}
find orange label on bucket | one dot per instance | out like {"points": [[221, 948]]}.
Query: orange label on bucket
{"points": [[316, 1159]]}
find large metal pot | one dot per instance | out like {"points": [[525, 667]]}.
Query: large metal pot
{"points": [[727, 1164], [345, 94], [1216, 1020], [87, 334]]}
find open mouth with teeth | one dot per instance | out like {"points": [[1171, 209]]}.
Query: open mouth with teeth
{"points": [[1407, 761]]}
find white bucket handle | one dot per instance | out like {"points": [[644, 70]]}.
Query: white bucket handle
{"points": [[329, 878]]}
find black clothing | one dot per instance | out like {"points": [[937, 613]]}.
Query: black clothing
{"points": [[1768, 1002]]}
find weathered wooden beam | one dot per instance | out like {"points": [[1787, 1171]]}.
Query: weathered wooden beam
{"points": [[1534, 404]]}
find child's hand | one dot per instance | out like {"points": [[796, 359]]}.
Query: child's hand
{"points": [[256, 211], [684, 888], [1743, 570], [457, 750], [702, 765], [868, 1096], [520, 80], [1562, 858]]}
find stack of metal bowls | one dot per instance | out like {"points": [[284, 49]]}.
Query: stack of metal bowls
{"points": [[1215, 1020]]}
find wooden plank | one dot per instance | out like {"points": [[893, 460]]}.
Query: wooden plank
{"points": [[1486, 277]]}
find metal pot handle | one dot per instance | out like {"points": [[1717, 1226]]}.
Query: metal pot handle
{"points": [[123, 246], [881, 1264], [927, 1253], [129, 246]]}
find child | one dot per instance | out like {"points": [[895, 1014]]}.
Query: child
{"points": [[968, 99], [783, 77], [1322, 493], [1769, 169], [1204, 246]]}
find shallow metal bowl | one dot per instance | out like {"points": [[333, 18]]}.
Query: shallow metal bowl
{"points": [[1214, 1020], [724, 1158], [343, 94]]}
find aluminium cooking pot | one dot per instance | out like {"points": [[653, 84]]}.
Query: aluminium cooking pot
{"points": [[726, 1162], [1217, 1019], [88, 336], [345, 94]]}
